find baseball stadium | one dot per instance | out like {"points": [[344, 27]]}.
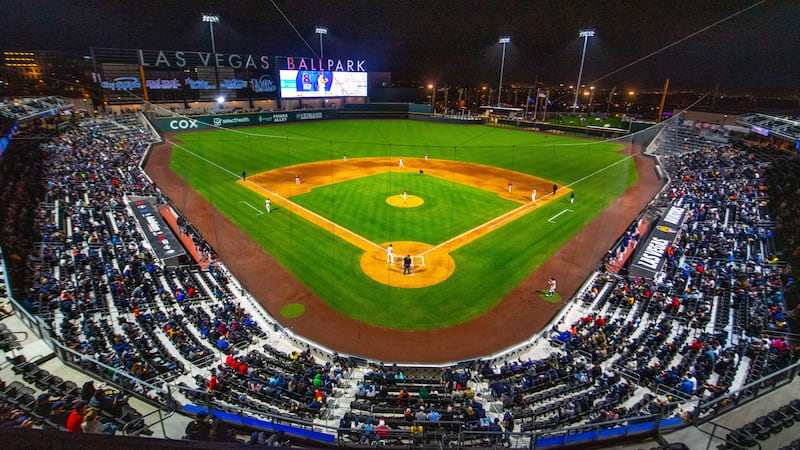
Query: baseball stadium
{"points": [[260, 252], [474, 241]]}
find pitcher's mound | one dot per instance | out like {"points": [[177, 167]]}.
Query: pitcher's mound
{"points": [[438, 265], [411, 201]]}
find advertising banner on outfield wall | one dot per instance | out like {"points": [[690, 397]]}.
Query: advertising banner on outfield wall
{"points": [[197, 123], [650, 256]]}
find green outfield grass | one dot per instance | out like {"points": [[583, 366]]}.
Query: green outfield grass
{"points": [[487, 269], [449, 209]]}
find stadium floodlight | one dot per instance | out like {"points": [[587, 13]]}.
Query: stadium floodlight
{"points": [[221, 99], [321, 31], [585, 34], [212, 19], [433, 99], [503, 40]]}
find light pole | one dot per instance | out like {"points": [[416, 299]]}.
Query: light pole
{"points": [[433, 99], [503, 40], [212, 19], [585, 34], [321, 31]]}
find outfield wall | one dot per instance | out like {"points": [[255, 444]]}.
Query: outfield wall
{"points": [[383, 110], [197, 123]]}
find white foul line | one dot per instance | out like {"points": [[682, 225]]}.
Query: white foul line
{"points": [[257, 210], [285, 200], [562, 212]]}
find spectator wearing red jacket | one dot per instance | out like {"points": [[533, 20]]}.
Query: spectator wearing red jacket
{"points": [[75, 418], [213, 383]]}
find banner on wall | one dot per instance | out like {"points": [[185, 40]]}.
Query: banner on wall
{"points": [[650, 257], [162, 240], [198, 123]]}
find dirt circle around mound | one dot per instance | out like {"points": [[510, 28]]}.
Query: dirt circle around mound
{"points": [[438, 265], [411, 201]]}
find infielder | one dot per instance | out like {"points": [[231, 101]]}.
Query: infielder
{"points": [[389, 254], [402, 164], [405, 194], [267, 205], [533, 195]]}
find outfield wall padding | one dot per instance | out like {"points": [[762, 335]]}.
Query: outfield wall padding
{"points": [[197, 123]]}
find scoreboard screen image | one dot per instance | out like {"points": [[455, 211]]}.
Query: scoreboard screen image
{"points": [[322, 83]]}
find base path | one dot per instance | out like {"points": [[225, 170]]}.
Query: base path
{"points": [[515, 319]]}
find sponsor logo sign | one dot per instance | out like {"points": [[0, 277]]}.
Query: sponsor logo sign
{"points": [[163, 84], [264, 83], [238, 120], [183, 124], [122, 84], [158, 235], [650, 257]]}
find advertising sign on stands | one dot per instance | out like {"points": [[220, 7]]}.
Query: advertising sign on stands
{"points": [[650, 257], [162, 240]]}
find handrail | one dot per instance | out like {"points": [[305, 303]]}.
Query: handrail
{"points": [[212, 404], [712, 435], [161, 419], [9, 341], [77, 360], [738, 399], [780, 334]]}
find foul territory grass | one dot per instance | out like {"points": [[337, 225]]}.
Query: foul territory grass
{"points": [[449, 208], [486, 269]]}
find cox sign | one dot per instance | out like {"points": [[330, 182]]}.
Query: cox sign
{"points": [[238, 120], [183, 124]]}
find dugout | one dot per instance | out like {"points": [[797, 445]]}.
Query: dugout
{"points": [[154, 229]]}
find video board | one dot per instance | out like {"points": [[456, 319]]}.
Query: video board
{"points": [[322, 83]]}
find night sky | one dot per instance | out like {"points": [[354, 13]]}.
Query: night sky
{"points": [[453, 42]]}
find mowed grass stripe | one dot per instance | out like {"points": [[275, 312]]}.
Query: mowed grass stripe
{"points": [[487, 269], [449, 209]]}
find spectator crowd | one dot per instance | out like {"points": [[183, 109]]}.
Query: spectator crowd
{"points": [[713, 319]]}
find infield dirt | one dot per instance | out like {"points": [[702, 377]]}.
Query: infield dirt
{"points": [[281, 184]]}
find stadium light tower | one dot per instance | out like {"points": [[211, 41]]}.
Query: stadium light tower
{"points": [[503, 40], [321, 31], [212, 19], [585, 34]]}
